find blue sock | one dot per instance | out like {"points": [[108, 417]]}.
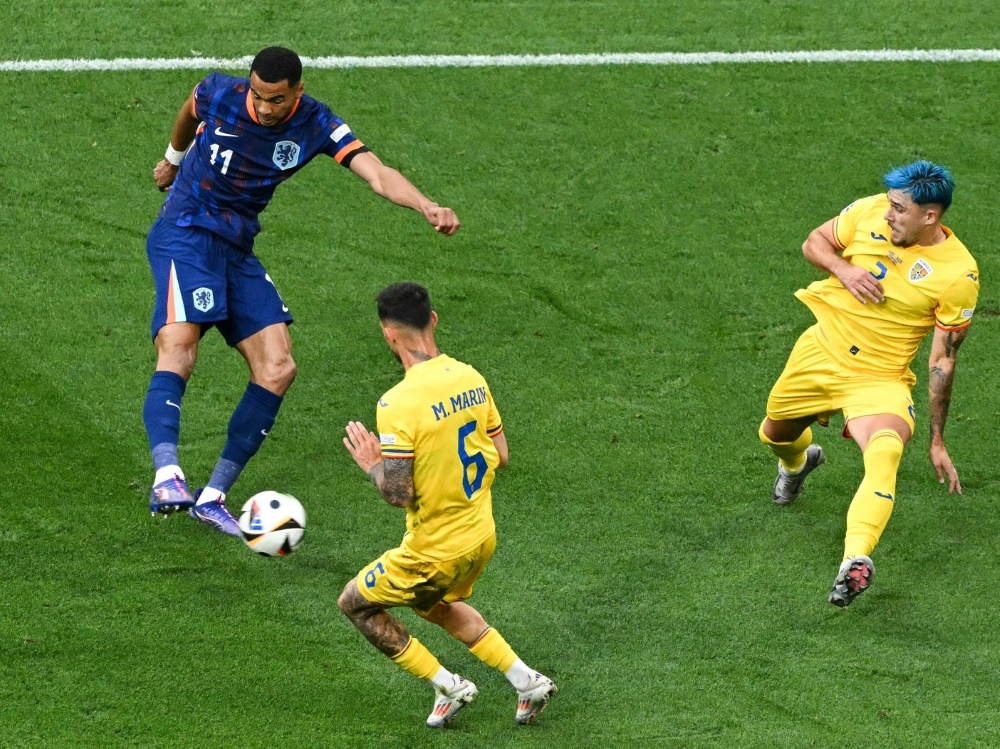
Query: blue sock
{"points": [[161, 414], [224, 476], [249, 426]]}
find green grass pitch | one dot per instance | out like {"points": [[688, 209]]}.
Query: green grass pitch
{"points": [[624, 280]]}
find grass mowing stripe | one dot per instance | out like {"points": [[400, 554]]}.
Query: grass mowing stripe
{"points": [[513, 61]]}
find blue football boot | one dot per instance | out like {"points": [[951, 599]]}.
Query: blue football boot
{"points": [[170, 496], [215, 514]]}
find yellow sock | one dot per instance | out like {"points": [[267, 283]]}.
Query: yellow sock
{"points": [[873, 503], [418, 660], [494, 651], [792, 455]]}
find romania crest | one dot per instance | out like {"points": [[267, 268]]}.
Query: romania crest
{"points": [[920, 270]]}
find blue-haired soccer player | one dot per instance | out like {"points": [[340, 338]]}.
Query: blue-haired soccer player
{"points": [[895, 273], [233, 142]]}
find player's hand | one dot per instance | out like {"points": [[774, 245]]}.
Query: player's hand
{"points": [[861, 284], [945, 468], [164, 174], [364, 446], [442, 219]]}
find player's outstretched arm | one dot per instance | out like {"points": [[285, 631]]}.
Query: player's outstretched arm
{"points": [[393, 186], [821, 250], [185, 127], [944, 349], [393, 477]]}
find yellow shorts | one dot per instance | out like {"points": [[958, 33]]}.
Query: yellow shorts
{"points": [[399, 578], [815, 384]]}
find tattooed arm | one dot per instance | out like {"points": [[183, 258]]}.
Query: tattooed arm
{"points": [[944, 349], [394, 479], [392, 476]]}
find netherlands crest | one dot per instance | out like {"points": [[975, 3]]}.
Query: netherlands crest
{"points": [[920, 270], [286, 154], [203, 299]]}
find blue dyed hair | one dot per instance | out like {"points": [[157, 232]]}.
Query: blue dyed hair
{"points": [[924, 181]]}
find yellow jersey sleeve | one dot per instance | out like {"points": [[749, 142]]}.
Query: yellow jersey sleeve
{"points": [[493, 423], [958, 303], [394, 429], [846, 224]]}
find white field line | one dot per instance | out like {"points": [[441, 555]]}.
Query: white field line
{"points": [[507, 61]]}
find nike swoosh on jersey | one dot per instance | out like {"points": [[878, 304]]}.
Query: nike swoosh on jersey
{"points": [[218, 131]]}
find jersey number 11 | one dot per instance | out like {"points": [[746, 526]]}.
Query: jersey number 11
{"points": [[226, 156]]}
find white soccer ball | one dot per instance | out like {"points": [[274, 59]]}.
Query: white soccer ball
{"points": [[273, 523]]}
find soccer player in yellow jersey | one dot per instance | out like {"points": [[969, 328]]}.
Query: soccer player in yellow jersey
{"points": [[440, 442], [896, 273]]}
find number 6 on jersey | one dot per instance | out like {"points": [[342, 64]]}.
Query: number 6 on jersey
{"points": [[468, 461]]}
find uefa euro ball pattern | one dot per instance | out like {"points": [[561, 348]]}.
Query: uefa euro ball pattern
{"points": [[273, 523]]}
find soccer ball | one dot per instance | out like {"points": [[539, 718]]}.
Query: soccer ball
{"points": [[273, 523]]}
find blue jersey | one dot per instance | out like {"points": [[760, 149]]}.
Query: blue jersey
{"points": [[234, 165]]}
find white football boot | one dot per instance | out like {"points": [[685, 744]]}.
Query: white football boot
{"points": [[534, 699], [447, 702]]}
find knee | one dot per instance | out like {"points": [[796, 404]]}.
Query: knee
{"points": [[177, 356], [436, 615], [769, 433], [348, 600], [277, 375], [762, 433], [782, 432], [345, 602], [285, 373], [887, 442]]}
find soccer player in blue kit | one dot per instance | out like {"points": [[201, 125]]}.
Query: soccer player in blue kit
{"points": [[233, 142]]}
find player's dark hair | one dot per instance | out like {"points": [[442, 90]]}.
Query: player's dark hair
{"points": [[406, 303], [924, 181], [277, 64]]}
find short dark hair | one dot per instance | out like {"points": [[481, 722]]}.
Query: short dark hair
{"points": [[406, 303], [277, 64]]}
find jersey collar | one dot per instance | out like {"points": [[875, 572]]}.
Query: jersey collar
{"points": [[427, 364]]}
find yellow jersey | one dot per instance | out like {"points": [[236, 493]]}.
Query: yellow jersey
{"points": [[923, 286], [442, 417]]}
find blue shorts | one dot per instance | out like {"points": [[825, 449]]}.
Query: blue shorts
{"points": [[202, 278]]}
